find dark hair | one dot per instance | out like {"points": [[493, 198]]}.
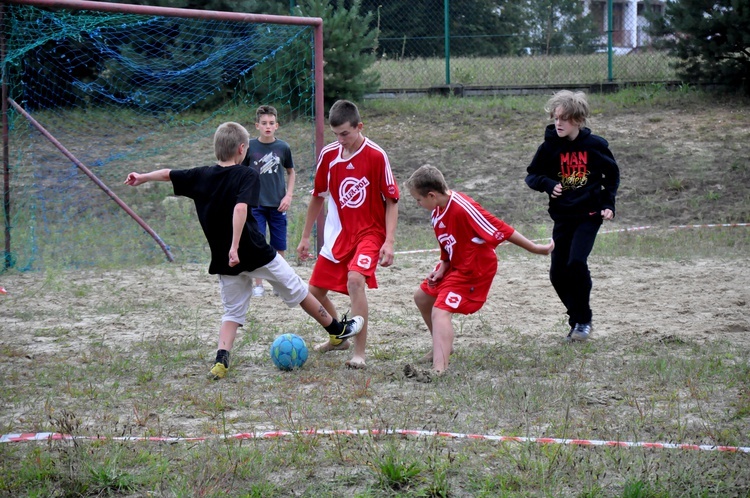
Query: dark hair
{"points": [[265, 109], [343, 111]]}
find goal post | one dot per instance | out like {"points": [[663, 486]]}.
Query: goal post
{"points": [[134, 88]]}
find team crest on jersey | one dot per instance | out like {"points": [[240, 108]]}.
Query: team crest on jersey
{"points": [[353, 192], [364, 261], [447, 241], [453, 300]]}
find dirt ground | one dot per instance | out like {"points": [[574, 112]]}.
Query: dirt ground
{"points": [[667, 176], [634, 300], [701, 300]]}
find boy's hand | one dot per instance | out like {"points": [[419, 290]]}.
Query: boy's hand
{"points": [[386, 254], [285, 204], [134, 179], [607, 214], [303, 249], [546, 248], [557, 191], [234, 258], [438, 273]]}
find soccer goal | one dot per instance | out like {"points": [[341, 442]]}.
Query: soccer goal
{"points": [[94, 90]]}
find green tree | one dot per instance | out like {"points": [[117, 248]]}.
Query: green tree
{"points": [[710, 38], [348, 44]]}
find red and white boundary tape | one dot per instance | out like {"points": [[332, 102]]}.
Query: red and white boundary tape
{"points": [[676, 227], [620, 230], [44, 436]]}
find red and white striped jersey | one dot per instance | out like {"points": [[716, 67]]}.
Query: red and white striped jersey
{"points": [[356, 189], [468, 234]]}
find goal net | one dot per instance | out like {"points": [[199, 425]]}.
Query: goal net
{"points": [[93, 93]]}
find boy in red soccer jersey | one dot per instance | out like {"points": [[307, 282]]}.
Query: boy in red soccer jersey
{"points": [[355, 176], [467, 235]]}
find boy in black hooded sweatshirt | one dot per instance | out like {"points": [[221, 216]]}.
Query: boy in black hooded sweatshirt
{"points": [[579, 173]]}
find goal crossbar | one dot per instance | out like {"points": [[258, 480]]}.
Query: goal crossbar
{"points": [[203, 15]]}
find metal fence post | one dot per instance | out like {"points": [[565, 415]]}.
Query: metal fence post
{"points": [[446, 8], [609, 40]]}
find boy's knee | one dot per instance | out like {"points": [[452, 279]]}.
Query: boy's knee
{"points": [[578, 267], [319, 293], [355, 283], [422, 299]]}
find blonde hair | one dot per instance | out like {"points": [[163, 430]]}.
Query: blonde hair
{"points": [[570, 106], [427, 179], [228, 138]]}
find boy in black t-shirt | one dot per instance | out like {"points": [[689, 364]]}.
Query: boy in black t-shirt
{"points": [[239, 252]]}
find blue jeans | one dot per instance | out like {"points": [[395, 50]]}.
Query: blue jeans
{"points": [[275, 220]]}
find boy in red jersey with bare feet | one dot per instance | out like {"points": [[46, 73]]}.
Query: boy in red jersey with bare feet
{"points": [[355, 176], [467, 235]]}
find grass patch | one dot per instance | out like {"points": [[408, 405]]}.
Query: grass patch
{"points": [[122, 350], [520, 71]]}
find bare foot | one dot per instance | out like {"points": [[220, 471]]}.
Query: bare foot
{"points": [[327, 346], [427, 358], [356, 364]]}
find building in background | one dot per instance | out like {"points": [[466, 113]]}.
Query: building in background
{"points": [[629, 21]]}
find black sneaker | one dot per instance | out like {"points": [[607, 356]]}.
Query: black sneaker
{"points": [[570, 333], [352, 327]]}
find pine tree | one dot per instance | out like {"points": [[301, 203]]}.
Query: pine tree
{"points": [[348, 43], [711, 39]]}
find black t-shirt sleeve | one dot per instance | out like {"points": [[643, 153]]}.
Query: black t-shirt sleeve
{"points": [[181, 181]]}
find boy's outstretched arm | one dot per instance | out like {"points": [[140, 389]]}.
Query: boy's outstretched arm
{"points": [[135, 179], [518, 239]]}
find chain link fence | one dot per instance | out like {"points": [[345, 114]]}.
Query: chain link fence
{"points": [[426, 44]]}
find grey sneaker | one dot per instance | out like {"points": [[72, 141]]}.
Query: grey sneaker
{"points": [[568, 337], [581, 332], [352, 327]]}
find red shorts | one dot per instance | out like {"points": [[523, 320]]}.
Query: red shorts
{"points": [[456, 294], [334, 276]]}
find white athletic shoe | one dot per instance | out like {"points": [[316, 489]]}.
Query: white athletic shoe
{"points": [[581, 332]]}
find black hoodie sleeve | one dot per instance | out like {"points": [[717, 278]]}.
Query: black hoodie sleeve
{"points": [[610, 175], [536, 177]]}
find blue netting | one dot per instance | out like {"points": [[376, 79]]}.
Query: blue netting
{"points": [[125, 92]]}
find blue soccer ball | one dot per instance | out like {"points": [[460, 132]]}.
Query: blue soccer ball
{"points": [[289, 351]]}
